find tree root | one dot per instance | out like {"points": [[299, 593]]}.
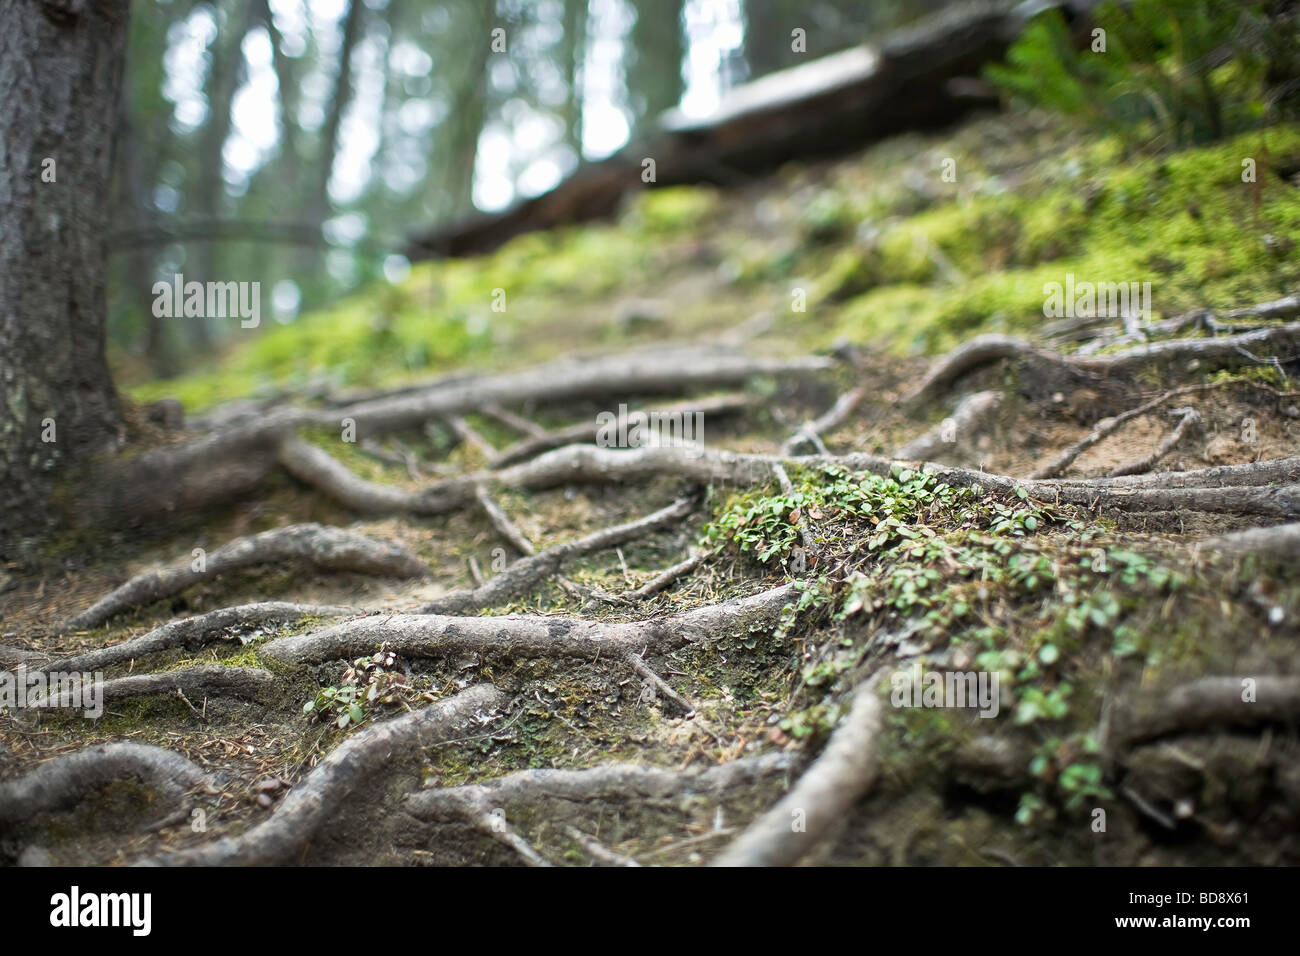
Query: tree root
{"points": [[1217, 701], [314, 466], [237, 459], [433, 635], [502, 523], [193, 633], [834, 782], [1235, 489], [597, 850], [1189, 420], [981, 350], [660, 685], [1105, 428], [615, 780], [64, 781], [332, 549], [204, 680], [831, 419], [483, 805], [984, 349], [308, 805], [664, 579], [1280, 541], [967, 418], [640, 372], [587, 432], [525, 573]]}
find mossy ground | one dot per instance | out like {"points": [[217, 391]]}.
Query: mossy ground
{"points": [[1079, 615]]}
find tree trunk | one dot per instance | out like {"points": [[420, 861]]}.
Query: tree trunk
{"points": [[654, 70], [224, 78], [61, 65], [573, 54]]}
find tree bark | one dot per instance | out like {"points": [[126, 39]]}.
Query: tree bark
{"points": [[61, 64]]}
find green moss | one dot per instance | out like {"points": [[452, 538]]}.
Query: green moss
{"points": [[675, 209]]}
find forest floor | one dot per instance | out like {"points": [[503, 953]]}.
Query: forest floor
{"points": [[405, 698]]}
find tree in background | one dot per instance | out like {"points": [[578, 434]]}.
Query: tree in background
{"points": [[654, 59]]}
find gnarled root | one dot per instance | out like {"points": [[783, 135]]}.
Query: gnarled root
{"points": [[332, 549], [192, 633], [529, 571], [204, 680], [315, 799], [1279, 541], [64, 781], [434, 635], [1219, 701], [834, 782]]}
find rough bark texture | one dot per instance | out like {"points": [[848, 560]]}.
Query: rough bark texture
{"points": [[310, 803], [822, 796], [332, 549], [518, 635], [60, 783], [60, 75]]}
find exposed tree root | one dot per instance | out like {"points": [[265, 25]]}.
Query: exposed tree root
{"points": [[504, 416], [64, 781], [597, 850], [831, 419], [607, 781], [1218, 701], [805, 535], [660, 685], [967, 418], [1229, 350], [314, 466], [310, 803], [1104, 429], [468, 435], [203, 680], [664, 579], [1189, 420], [11, 657], [1239, 487], [984, 349], [643, 372], [834, 782], [432, 635], [237, 459], [529, 571], [1280, 541], [1252, 475], [192, 633], [981, 350], [504, 526], [332, 549], [586, 432]]}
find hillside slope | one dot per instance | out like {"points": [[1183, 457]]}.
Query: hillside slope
{"points": [[1073, 544]]}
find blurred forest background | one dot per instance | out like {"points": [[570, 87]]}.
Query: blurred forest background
{"points": [[295, 142]]}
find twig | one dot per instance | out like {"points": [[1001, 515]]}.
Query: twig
{"points": [[598, 850], [502, 523], [1189, 420]]}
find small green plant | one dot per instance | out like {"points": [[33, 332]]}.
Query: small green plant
{"points": [[1174, 72], [366, 683]]}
